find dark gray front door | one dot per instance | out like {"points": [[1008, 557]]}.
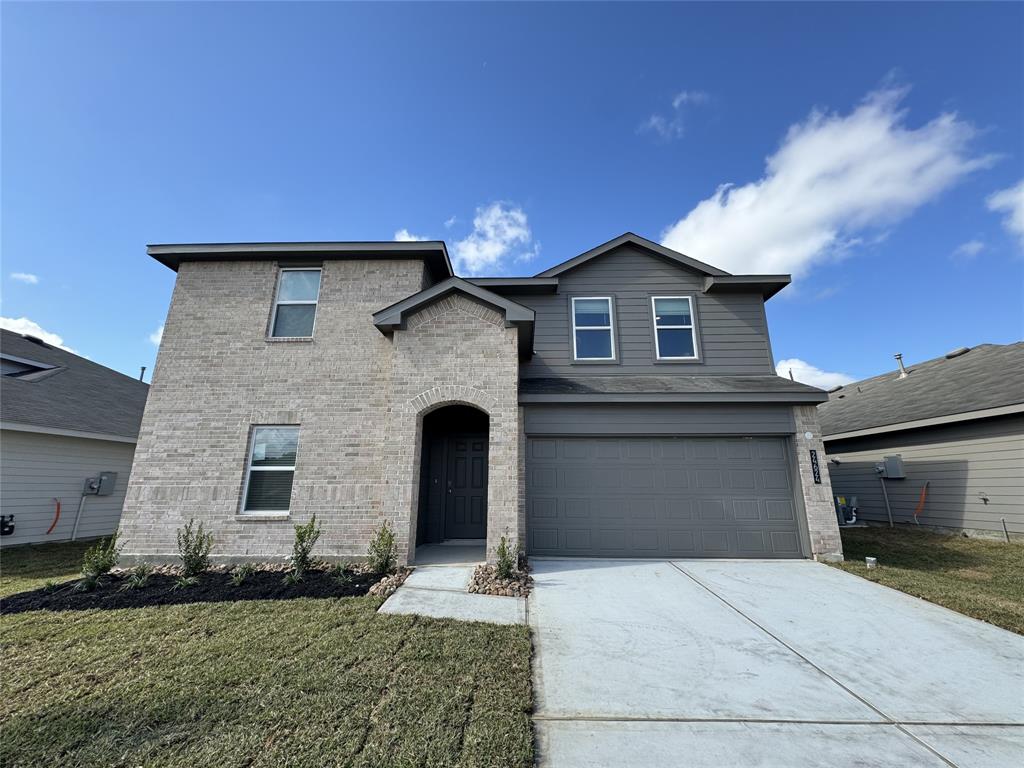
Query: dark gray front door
{"points": [[661, 497], [466, 493]]}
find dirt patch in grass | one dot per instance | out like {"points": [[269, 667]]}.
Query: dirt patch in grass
{"points": [[211, 587], [982, 578]]}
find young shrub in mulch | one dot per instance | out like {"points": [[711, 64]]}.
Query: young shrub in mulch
{"points": [[194, 545], [98, 561], [305, 539], [508, 577], [381, 553]]}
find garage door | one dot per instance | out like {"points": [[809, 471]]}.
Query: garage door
{"points": [[660, 497]]}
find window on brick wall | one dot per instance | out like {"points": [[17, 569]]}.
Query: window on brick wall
{"points": [[298, 291], [270, 469]]}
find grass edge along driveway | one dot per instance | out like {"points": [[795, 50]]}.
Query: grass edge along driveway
{"points": [[983, 578], [306, 682]]}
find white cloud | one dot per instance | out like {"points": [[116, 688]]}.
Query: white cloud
{"points": [[405, 236], [833, 178], [157, 336], [967, 251], [1010, 202], [450, 222], [809, 374], [672, 126], [25, 277], [32, 328], [499, 230]]}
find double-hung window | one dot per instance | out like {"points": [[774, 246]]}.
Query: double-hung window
{"points": [[270, 470], [295, 307], [592, 334], [674, 337]]}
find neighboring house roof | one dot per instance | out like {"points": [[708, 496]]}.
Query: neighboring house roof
{"points": [[516, 315], [433, 252], [987, 380], [673, 388], [67, 394]]}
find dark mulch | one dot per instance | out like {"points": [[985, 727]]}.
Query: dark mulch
{"points": [[162, 589]]}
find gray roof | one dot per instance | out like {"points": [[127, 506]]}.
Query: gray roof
{"points": [[988, 376], [433, 252], [74, 394], [641, 242], [672, 388]]}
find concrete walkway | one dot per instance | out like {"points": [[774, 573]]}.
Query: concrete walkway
{"points": [[439, 591], [792, 663]]}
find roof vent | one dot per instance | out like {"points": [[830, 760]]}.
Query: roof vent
{"points": [[899, 361], [34, 340], [836, 388], [957, 352]]}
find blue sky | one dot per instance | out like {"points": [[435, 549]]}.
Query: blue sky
{"points": [[876, 151]]}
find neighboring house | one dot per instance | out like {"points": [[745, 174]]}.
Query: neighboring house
{"points": [[63, 420], [957, 422], [621, 404]]}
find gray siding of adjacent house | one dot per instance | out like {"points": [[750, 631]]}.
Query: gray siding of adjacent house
{"points": [[962, 463], [732, 332], [37, 468], [664, 419]]}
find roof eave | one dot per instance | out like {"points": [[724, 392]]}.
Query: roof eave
{"points": [[766, 285]]}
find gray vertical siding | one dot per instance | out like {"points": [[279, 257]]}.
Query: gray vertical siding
{"points": [[732, 331], [962, 463], [35, 468]]}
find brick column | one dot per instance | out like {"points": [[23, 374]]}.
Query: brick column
{"points": [[822, 524]]}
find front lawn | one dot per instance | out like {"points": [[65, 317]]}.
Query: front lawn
{"points": [[301, 682], [982, 578]]}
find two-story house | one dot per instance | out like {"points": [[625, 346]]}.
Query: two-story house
{"points": [[621, 404]]}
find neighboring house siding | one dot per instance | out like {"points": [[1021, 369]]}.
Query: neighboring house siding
{"points": [[217, 375], [36, 468], [962, 462], [663, 419], [732, 330]]}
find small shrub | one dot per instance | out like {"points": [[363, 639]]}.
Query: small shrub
{"points": [[507, 559], [241, 573], [194, 545], [381, 552], [50, 586], [184, 582], [100, 558], [138, 578], [88, 583], [292, 578], [305, 539]]}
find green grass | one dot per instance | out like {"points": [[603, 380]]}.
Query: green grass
{"points": [[978, 577], [268, 683], [31, 566]]}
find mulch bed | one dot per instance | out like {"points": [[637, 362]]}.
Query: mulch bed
{"points": [[485, 581], [214, 586]]}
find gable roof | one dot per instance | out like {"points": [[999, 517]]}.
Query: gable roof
{"points": [[72, 394], [393, 318], [433, 252], [640, 242], [983, 381]]}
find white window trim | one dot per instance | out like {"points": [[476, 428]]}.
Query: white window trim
{"points": [[610, 327], [692, 327], [249, 469], [278, 301]]}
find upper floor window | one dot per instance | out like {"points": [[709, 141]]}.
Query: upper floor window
{"points": [[270, 470], [674, 338], [592, 334], [295, 308]]}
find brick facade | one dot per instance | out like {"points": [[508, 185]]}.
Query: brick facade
{"points": [[822, 523], [358, 396]]}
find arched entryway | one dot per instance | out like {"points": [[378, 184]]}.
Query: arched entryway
{"points": [[453, 477]]}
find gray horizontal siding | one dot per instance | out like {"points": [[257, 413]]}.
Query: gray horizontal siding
{"points": [[732, 330], [36, 468], [658, 420], [961, 462]]}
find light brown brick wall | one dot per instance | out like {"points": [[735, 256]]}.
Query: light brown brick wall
{"points": [[217, 375], [822, 524]]}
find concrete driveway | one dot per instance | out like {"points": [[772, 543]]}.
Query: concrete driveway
{"points": [[755, 663]]}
